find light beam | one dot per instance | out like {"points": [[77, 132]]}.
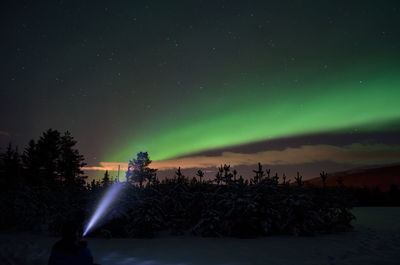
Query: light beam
{"points": [[108, 198]]}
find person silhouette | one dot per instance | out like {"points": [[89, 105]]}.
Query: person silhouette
{"points": [[70, 250]]}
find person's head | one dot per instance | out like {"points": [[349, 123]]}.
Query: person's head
{"points": [[70, 231]]}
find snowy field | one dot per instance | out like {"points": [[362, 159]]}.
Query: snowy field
{"points": [[375, 240]]}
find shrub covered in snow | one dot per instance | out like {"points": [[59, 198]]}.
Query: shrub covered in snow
{"points": [[235, 209]]}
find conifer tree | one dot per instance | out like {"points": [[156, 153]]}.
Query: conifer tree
{"points": [[139, 170], [259, 174], [11, 168], [234, 175], [54, 161], [218, 177], [48, 150], [200, 174], [31, 163], [323, 176], [105, 182], [284, 179], [70, 162], [180, 178], [299, 179], [275, 179], [227, 174]]}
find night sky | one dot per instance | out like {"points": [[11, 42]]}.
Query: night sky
{"points": [[296, 85]]}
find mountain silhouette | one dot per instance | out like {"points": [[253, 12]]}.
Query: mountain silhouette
{"points": [[381, 177]]}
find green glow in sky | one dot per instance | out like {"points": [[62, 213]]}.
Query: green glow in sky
{"points": [[262, 107]]}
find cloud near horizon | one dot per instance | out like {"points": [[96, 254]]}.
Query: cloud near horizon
{"points": [[4, 133], [357, 154]]}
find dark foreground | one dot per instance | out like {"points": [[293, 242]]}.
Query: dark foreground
{"points": [[375, 240]]}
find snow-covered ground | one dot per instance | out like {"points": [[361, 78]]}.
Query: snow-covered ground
{"points": [[375, 240]]}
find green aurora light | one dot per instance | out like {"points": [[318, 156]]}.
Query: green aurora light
{"points": [[361, 96]]}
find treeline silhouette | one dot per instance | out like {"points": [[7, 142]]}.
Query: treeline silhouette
{"points": [[44, 185]]}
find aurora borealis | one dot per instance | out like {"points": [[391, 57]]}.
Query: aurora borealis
{"points": [[200, 78], [333, 103]]}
